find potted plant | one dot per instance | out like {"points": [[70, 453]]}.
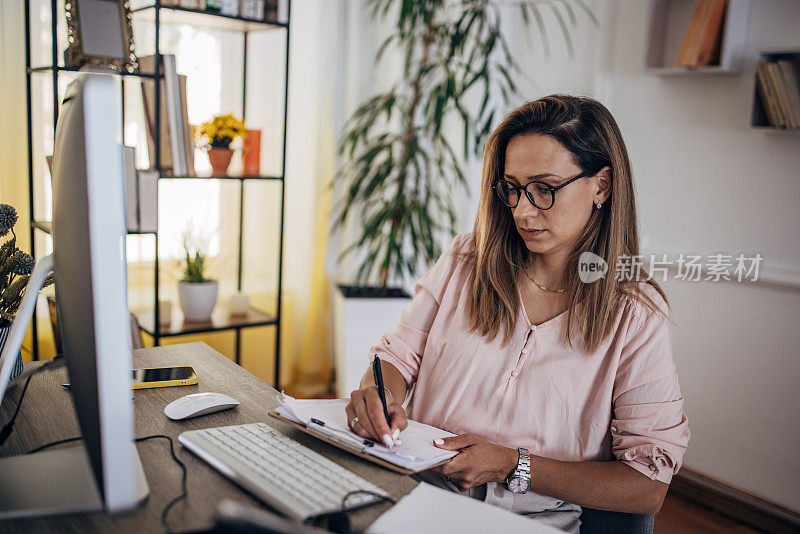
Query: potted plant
{"points": [[15, 270], [216, 137], [196, 292], [398, 169]]}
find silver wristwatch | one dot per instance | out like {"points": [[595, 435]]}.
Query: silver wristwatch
{"points": [[520, 480]]}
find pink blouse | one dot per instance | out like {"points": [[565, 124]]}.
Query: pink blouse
{"points": [[621, 402]]}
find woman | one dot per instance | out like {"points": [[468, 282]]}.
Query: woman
{"points": [[527, 363]]}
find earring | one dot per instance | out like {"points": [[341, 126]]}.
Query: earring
{"points": [[599, 205]]}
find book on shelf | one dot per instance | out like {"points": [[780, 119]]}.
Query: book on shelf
{"points": [[141, 195], [188, 132], [251, 153], [229, 8], [252, 9], [765, 92], [131, 190], [703, 39], [147, 183], [175, 131], [277, 11], [177, 154], [789, 95], [779, 90]]}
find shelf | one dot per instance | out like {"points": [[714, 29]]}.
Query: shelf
{"points": [[47, 227], [243, 177], [683, 71], [758, 114], [220, 320], [59, 68], [776, 131], [195, 17], [668, 22], [150, 10]]}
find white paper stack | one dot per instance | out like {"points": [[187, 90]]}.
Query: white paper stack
{"points": [[431, 510], [416, 452]]}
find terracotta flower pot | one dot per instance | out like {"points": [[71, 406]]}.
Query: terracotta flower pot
{"points": [[220, 158]]}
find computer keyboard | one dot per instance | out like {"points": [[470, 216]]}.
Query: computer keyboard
{"points": [[290, 477]]}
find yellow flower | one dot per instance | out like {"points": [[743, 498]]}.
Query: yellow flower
{"points": [[220, 131]]}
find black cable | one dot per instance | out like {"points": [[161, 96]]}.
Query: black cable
{"points": [[5, 432], [339, 522], [384, 498], [9, 427], [184, 492], [342, 521], [54, 443]]}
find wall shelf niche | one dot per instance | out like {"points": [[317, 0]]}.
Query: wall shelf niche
{"points": [[758, 115], [668, 21]]}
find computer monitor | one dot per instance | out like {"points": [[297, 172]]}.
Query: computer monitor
{"points": [[104, 471]]}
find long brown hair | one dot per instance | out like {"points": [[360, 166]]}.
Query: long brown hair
{"points": [[586, 128]]}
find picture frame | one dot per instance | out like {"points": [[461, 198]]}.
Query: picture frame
{"points": [[99, 34]]}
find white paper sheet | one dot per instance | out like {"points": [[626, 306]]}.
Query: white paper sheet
{"points": [[431, 510], [415, 452]]}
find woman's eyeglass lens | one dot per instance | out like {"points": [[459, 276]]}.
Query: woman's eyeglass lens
{"points": [[538, 193]]}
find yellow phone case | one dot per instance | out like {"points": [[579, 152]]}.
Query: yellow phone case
{"points": [[192, 380]]}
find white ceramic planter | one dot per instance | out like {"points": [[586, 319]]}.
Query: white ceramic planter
{"points": [[197, 299], [359, 322]]}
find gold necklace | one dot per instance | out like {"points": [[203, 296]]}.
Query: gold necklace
{"points": [[540, 286]]}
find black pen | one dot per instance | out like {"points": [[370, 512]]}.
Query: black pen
{"points": [[332, 435], [376, 373]]}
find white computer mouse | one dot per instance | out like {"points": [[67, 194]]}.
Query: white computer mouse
{"points": [[198, 404]]}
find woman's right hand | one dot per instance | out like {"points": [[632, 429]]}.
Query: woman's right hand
{"points": [[366, 410]]}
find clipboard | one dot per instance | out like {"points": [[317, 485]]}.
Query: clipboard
{"points": [[374, 459]]}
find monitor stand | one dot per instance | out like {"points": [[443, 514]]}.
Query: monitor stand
{"points": [[55, 482]]}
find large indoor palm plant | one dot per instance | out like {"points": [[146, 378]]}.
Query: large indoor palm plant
{"points": [[398, 169]]}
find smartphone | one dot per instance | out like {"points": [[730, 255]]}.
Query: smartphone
{"points": [[161, 377]]}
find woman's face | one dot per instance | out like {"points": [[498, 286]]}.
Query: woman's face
{"points": [[541, 157]]}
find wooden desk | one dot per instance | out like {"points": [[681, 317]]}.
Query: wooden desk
{"points": [[48, 415]]}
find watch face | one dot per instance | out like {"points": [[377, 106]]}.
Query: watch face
{"points": [[518, 485]]}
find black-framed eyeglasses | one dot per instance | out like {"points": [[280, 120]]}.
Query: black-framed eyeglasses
{"points": [[541, 194]]}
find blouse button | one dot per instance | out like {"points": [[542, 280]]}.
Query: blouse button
{"points": [[614, 428], [533, 327], [652, 467], [524, 351], [514, 374]]}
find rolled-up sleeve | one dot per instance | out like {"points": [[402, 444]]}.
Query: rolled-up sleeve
{"points": [[405, 346], [649, 429]]}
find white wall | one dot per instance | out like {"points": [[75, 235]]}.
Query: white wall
{"points": [[736, 345]]}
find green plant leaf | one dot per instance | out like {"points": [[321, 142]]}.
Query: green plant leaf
{"points": [[398, 171]]}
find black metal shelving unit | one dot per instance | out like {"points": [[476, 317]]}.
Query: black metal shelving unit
{"points": [[162, 14]]}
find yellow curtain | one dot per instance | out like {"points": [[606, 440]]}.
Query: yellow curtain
{"points": [[13, 149]]}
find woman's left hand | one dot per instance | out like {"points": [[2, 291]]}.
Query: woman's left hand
{"points": [[477, 462]]}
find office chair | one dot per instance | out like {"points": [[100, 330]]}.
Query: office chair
{"points": [[605, 522]]}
